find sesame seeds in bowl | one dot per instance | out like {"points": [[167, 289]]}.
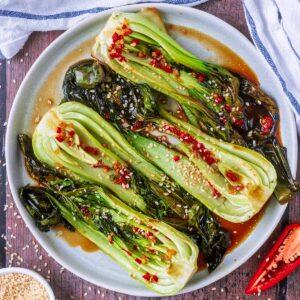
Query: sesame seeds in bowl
{"points": [[23, 284]]}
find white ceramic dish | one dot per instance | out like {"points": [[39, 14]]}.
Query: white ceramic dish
{"points": [[33, 274], [97, 267]]}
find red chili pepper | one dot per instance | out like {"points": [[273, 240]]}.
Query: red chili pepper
{"points": [[60, 137], [232, 176], [135, 42], [176, 157], [91, 150], [137, 125], [239, 122], [227, 108], [139, 261], [219, 99], [154, 278], [283, 259], [200, 77], [147, 276], [266, 124]]}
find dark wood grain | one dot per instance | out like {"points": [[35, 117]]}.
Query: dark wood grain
{"points": [[68, 286]]}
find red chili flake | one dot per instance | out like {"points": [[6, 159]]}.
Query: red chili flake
{"points": [[116, 37], [60, 137], [138, 260], [200, 77], [267, 124], [85, 211], [137, 125], [197, 147], [154, 278], [91, 150], [135, 42], [160, 62], [176, 157], [232, 176], [135, 247], [209, 159], [147, 276], [122, 175], [154, 63], [156, 53], [107, 116], [219, 99], [117, 46], [58, 130], [166, 69], [100, 164], [71, 133], [227, 108], [215, 192], [149, 236], [128, 31], [239, 122]]}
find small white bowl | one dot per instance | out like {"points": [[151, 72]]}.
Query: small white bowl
{"points": [[34, 275]]}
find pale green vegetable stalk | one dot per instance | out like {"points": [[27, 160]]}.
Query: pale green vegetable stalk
{"points": [[154, 253], [232, 181], [159, 61]]}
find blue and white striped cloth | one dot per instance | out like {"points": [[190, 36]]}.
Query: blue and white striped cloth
{"points": [[275, 29], [273, 24]]}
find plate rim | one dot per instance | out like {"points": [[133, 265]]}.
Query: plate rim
{"points": [[8, 156]]}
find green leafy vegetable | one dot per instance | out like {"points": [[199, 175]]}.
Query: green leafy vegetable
{"points": [[232, 181], [76, 139], [151, 251], [38, 206], [110, 94], [156, 59], [174, 202], [261, 121]]}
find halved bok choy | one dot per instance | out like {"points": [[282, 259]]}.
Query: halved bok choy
{"points": [[154, 253], [232, 181], [134, 46]]}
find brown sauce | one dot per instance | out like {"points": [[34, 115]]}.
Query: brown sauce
{"points": [[51, 90], [221, 54], [75, 239]]}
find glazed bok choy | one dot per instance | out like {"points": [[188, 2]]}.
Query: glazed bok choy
{"points": [[151, 251], [75, 139], [232, 181], [243, 194], [140, 50], [211, 97]]}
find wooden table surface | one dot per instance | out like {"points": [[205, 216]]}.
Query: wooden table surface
{"points": [[19, 248]]}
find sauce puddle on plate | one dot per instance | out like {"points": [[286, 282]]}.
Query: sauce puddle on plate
{"points": [[75, 239], [50, 94]]}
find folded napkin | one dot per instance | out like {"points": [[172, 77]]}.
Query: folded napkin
{"points": [[274, 26], [18, 19]]}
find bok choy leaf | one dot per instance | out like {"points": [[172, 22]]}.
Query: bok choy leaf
{"points": [[153, 252]]}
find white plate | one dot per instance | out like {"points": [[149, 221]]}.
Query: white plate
{"points": [[97, 267]]}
